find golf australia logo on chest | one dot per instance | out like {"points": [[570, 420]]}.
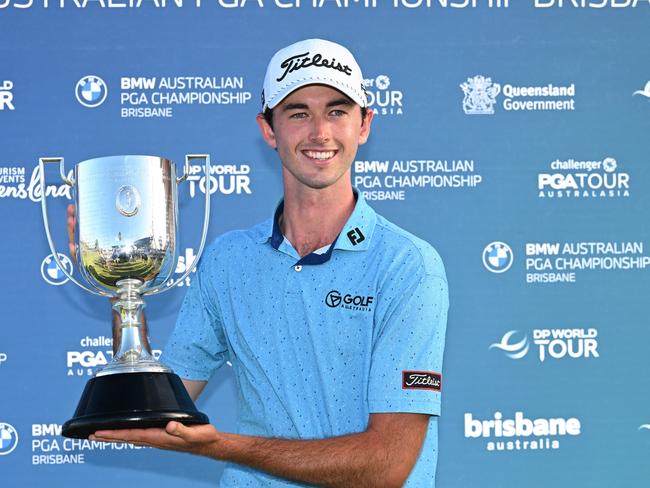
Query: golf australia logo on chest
{"points": [[349, 301]]}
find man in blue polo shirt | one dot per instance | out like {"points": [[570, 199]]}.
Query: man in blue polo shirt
{"points": [[332, 317]]}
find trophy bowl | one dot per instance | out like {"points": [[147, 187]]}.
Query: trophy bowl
{"points": [[125, 247]]}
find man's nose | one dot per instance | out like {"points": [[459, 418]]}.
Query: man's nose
{"points": [[320, 130]]}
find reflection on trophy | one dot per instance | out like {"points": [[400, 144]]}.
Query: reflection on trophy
{"points": [[126, 223]]}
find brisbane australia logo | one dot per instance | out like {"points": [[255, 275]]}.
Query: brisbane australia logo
{"points": [[335, 299]]}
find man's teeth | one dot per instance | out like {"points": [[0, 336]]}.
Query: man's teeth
{"points": [[320, 154]]}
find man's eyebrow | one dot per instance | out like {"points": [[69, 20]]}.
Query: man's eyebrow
{"points": [[340, 101], [294, 106], [303, 106]]}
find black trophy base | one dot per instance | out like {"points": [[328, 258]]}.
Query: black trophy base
{"points": [[132, 401]]}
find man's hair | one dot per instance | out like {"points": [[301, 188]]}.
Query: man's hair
{"points": [[268, 115]]}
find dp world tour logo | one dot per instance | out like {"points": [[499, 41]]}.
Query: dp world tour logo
{"points": [[497, 257], [645, 92], [480, 95], [512, 349], [91, 91], [51, 271], [8, 438]]}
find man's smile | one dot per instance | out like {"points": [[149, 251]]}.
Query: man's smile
{"points": [[319, 155]]}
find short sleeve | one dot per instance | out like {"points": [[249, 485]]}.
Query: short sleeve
{"points": [[197, 346], [406, 362]]}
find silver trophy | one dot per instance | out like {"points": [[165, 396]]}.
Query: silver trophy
{"points": [[125, 248]]}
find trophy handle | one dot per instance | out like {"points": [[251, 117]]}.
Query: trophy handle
{"points": [[50, 241], [206, 218]]}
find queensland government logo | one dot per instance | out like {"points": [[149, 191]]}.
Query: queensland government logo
{"points": [[335, 299], [91, 91], [6, 97], [551, 343], [8, 438], [480, 95], [497, 257], [52, 273]]}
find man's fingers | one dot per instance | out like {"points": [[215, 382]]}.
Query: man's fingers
{"points": [[179, 430]]}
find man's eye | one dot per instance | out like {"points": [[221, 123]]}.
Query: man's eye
{"points": [[337, 113], [298, 115]]}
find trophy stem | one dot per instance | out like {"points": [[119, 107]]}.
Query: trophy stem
{"points": [[133, 353]]}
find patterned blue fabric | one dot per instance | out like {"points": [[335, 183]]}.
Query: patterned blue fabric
{"points": [[317, 343]]}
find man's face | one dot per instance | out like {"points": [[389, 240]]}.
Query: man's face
{"points": [[316, 131]]}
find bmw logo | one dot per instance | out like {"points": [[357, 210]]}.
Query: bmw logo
{"points": [[51, 271], [91, 91], [497, 257], [8, 438]]}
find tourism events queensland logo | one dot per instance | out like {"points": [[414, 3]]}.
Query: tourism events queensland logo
{"points": [[17, 182], [579, 178], [481, 94], [552, 344], [91, 91]]}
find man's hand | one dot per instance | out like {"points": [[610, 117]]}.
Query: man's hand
{"points": [[380, 457], [196, 439]]}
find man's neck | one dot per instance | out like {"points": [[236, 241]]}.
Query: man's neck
{"points": [[312, 219]]}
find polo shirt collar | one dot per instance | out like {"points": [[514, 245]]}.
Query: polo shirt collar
{"points": [[355, 235]]}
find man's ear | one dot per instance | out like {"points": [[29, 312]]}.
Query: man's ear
{"points": [[365, 127], [266, 130]]}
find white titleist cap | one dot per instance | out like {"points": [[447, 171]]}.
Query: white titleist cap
{"points": [[309, 62]]}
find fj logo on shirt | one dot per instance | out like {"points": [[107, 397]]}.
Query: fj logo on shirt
{"points": [[356, 236], [335, 299], [421, 380]]}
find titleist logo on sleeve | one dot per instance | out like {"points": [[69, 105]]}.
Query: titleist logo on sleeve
{"points": [[421, 380], [299, 61]]}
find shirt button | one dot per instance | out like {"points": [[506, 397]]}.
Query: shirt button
{"points": [[298, 268]]}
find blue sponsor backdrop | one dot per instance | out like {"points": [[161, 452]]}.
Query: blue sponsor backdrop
{"points": [[531, 179]]}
